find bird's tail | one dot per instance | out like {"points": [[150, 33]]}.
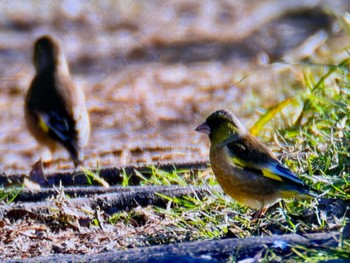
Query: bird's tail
{"points": [[75, 153]]}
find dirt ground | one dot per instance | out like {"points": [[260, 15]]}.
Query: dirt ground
{"points": [[152, 70]]}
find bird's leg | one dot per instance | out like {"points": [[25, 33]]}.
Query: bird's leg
{"points": [[259, 213]]}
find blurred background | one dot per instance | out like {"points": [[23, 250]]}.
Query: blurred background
{"points": [[153, 69]]}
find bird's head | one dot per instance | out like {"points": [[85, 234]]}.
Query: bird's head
{"points": [[220, 126], [47, 54]]}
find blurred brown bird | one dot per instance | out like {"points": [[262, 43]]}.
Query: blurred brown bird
{"points": [[245, 168], [55, 110]]}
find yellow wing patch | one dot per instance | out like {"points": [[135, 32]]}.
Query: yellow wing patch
{"points": [[42, 125], [267, 173], [238, 162]]}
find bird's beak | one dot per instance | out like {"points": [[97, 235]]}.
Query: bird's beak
{"points": [[203, 128]]}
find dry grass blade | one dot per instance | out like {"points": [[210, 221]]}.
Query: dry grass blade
{"points": [[270, 114]]}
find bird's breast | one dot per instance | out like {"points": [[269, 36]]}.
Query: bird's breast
{"points": [[244, 186]]}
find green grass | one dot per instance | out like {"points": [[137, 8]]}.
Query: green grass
{"points": [[320, 132], [9, 194], [95, 176]]}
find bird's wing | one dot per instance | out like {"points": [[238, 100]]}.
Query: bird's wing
{"points": [[252, 155], [56, 126], [279, 172]]}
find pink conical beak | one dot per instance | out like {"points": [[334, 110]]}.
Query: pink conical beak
{"points": [[203, 128]]}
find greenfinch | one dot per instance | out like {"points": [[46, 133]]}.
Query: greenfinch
{"points": [[245, 168], [54, 108]]}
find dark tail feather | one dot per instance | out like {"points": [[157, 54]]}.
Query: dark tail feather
{"points": [[74, 152]]}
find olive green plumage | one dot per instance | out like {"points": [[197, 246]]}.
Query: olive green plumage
{"points": [[245, 168], [55, 110]]}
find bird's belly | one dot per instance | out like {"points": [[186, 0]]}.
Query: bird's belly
{"points": [[242, 185]]}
